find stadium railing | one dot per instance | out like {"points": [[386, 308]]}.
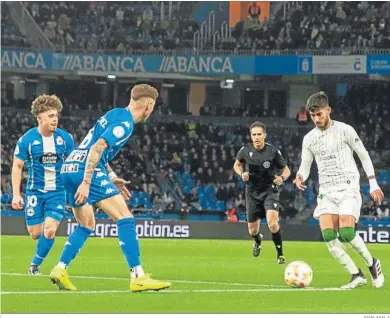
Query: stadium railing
{"points": [[192, 52], [221, 121]]}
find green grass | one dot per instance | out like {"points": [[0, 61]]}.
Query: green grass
{"points": [[202, 272]]}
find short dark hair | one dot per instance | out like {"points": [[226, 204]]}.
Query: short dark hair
{"points": [[317, 100], [258, 124]]}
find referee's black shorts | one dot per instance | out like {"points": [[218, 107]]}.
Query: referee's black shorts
{"points": [[259, 202]]}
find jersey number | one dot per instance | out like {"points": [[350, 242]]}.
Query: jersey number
{"points": [[32, 201], [87, 140]]}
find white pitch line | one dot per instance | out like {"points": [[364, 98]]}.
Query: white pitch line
{"points": [[173, 291], [173, 281]]}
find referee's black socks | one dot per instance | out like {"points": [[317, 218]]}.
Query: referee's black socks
{"points": [[277, 238], [257, 238]]}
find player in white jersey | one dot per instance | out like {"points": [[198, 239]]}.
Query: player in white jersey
{"points": [[332, 144]]}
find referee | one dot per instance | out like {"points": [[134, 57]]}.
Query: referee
{"points": [[262, 186]]}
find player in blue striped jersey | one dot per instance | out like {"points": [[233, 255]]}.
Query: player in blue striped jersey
{"points": [[90, 181], [43, 149]]}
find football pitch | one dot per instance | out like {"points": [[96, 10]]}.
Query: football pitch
{"points": [[208, 276]]}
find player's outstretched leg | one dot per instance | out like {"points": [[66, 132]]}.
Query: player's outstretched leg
{"points": [[59, 274], [254, 232], [374, 265], [44, 245], [273, 225], [336, 248], [117, 209]]}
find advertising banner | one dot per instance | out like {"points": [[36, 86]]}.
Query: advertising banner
{"points": [[350, 64], [201, 65], [11, 225], [128, 64], [378, 64]]}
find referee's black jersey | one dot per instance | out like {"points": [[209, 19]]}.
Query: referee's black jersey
{"points": [[261, 165]]}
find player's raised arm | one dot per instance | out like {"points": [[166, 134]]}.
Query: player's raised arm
{"points": [[304, 169], [356, 145], [20, 155]]}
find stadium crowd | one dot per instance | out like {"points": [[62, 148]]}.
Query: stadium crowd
{"points": [[91, 25], [196, 159], [318, 25]]}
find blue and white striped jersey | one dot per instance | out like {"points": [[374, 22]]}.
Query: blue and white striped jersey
{"points": [[44, 157]]}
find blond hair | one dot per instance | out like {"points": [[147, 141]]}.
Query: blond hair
{"points": [[44, 103], [143, 90]]}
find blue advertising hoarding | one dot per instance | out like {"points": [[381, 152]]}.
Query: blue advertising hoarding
{"points": [[192, 65], [378, 64], [197, 65]]}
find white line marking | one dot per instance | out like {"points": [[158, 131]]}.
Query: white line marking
{"points": [[173, 291], [173, 281]]}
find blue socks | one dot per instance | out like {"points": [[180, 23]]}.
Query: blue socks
{"points": [[44, 246], [128, 241], [74, 243]]}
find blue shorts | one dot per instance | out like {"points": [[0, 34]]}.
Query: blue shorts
{"points": [[41, 205], [101, 186]]}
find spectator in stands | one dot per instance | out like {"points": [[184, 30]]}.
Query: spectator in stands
{"points": [[382, 210], [369, 208], [231, 214], [254, 11], [302, 116]]}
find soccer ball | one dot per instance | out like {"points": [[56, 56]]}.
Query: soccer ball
{"points": [[298, 274]]}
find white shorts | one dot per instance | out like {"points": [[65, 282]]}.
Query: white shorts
{"points": [[346, 202]]}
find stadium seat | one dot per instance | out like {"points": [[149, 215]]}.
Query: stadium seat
{"points": [[221, 206]]}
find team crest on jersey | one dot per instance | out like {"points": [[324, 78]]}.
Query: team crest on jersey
{"points": [[60, 141], [251, 154], [266, 164], [118, 131], [30, 211]]}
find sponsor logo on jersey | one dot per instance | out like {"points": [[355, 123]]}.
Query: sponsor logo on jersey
{"points": [[36, 143], [109, 190], [104, 183], [126, 123], [49, 158], [266, 164], [70, 167]]}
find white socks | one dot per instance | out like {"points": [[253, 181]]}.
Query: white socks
{"points": [[360, 247], [137, 272], [61, 265], [336, 248]]}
